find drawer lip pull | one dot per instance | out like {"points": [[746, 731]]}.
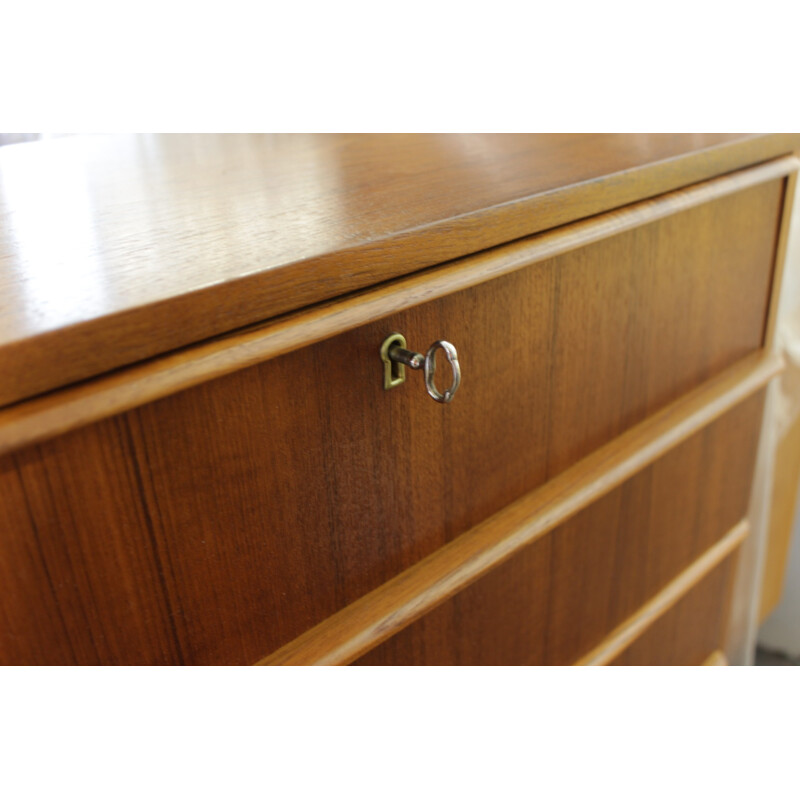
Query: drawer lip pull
{"points": [[625, 634], [373, 618]]}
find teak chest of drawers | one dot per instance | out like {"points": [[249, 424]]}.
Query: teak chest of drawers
{"points": [[199, 462]]}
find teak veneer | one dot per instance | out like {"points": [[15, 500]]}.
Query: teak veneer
{"points": [[117, 249], [199, 463]]}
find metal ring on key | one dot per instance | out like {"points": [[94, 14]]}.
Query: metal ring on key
{"points": [[430, 371]]}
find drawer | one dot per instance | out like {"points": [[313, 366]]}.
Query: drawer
{"points": [[561, 596], [216, 524], [690, 632]]}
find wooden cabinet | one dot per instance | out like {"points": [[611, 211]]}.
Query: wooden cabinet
{"points": [[556, 599], [259, 495]]}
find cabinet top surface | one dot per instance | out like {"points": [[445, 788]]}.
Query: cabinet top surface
{"points": [[116, 248]]}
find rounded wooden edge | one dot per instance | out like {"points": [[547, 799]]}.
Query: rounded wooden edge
{"points": [[72, 407], [36, 364], [632, 628]]}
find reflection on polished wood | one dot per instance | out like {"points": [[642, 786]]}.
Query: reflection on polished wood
{"points": [[215, 471], [745, 254], [227, 519], [143, 244]]}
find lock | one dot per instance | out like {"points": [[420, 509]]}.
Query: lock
{"points": [[396, 357]]}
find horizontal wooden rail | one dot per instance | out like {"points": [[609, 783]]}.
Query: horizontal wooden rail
{"points": [[66, 409], [378, 615], [643, 618]]}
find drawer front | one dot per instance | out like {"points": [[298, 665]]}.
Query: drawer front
{"points": [[690, 631], [561, 596], [218, 523]]}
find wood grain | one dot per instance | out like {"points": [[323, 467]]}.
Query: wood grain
{"points": [[373, 618], [235, 515], [749, 249], [81, 582], [691, 630], [569, 591], [633, 627], [219, 523], [116, 249]]}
